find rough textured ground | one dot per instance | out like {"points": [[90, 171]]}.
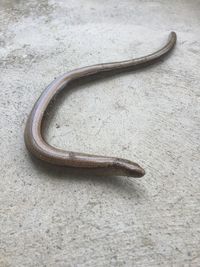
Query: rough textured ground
{"points": [[56, 217]]}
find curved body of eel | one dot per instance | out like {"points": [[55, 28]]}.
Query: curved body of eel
{"points": [[35, 142]]}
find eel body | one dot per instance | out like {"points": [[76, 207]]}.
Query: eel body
{"points": [[33, 135]]}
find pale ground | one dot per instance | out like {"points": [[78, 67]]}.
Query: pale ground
{"points": [[56, 217]]}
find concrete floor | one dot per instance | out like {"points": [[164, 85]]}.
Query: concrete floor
{"points": [[56, 217]]}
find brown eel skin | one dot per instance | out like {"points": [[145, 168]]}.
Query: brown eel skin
{"points": [[33, 136]]}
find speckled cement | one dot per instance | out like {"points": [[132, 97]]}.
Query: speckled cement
{"points": [[58, 217]]}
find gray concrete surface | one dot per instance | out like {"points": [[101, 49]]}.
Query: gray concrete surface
{"points": [[56, 217]]}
